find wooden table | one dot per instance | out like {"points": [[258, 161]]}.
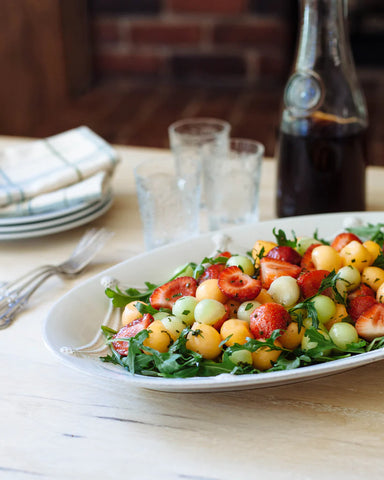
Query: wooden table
{"points": [[57, 423]]}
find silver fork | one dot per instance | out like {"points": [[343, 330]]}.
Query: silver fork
{"points": [[15, 295]]}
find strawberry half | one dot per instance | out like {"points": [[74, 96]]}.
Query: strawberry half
{"points": [[237, 285], [341, 240], [213, 271], [166, 295], [287, 254], [370, 324], [357, 306], [362, 291], [267, 318], [129, 331], [271, 268], [223, 254], [306, 261], [309, 282]]}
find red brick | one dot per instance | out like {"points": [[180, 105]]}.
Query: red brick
{"points": [[208, 6], [124, 62], [151, 33], [266, 32], [105, 30]]}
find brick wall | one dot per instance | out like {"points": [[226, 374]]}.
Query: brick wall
{"points": [[193, 41]]}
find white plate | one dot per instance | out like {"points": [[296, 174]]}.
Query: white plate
{"points": [[76, 317], [53, 222], [59, 225], [6, 222]]}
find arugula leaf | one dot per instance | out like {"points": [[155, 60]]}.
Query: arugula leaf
{"points": [[374, 232], [379, 262], [282, 240], [330, 281], [145, 308], [120, 299], [323, 346], [376, 344], [305, 309], [321, 240]]}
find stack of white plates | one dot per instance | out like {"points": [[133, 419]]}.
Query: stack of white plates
{"points": [[53, 221]]}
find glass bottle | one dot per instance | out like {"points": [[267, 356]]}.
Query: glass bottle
{"points": [[321, 149]]}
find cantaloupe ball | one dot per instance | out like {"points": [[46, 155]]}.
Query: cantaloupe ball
{"points": [[355, 254], [204, 339], [292, 336], [326, 257], [130, 313], [159, 338], [373, 277], [264, 357], [210, 289], [261, 247], [237, 331], [373, 248]]}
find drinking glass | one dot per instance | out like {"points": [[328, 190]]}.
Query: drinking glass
{"points": [[169, 200], [199, 140], [232, 184]]}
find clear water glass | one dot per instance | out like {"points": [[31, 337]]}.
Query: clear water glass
{"points": [[233, 184], [199, 140], [169, 200]]}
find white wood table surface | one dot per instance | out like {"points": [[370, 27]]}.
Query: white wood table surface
{"points": [[58, 423]]}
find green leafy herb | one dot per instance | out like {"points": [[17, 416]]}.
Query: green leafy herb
{"points": [[282, 240], [379, 261], [321, 240], [144, 308], [374, 232], [122, 298]]}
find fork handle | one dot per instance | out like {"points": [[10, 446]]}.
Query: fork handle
{"points": [[15, 306]]}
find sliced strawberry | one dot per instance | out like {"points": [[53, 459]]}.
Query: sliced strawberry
{"points": [[267, 318], [129, 331], [306, 261], [223, 254], [341, 240], [271, 268], [237, 285], [232, 307], [370, 324], [357, 306], [287, 254], [213, 271], [310, 281], [166, 295], [362, 291]]}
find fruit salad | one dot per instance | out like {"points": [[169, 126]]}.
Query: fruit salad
{"points": [[285, 304]]}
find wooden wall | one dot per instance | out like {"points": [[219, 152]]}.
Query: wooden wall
{"points": [[44, 59]]}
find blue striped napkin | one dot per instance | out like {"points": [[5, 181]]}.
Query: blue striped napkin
{"points": [[34, 169]]}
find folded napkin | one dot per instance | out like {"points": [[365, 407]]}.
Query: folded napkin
{"points": [[83, 193], [34, 169]]}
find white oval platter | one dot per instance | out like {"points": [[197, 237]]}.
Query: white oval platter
{"points": [[76, 317]]}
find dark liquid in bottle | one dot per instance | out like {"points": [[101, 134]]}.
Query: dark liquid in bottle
{"points": [[321, 172]]}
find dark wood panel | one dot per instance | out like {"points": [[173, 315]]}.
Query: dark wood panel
{"points": [[35, 54]]}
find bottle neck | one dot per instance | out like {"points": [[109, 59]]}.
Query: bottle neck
{"points": [[324, 81], [323, 41]]}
